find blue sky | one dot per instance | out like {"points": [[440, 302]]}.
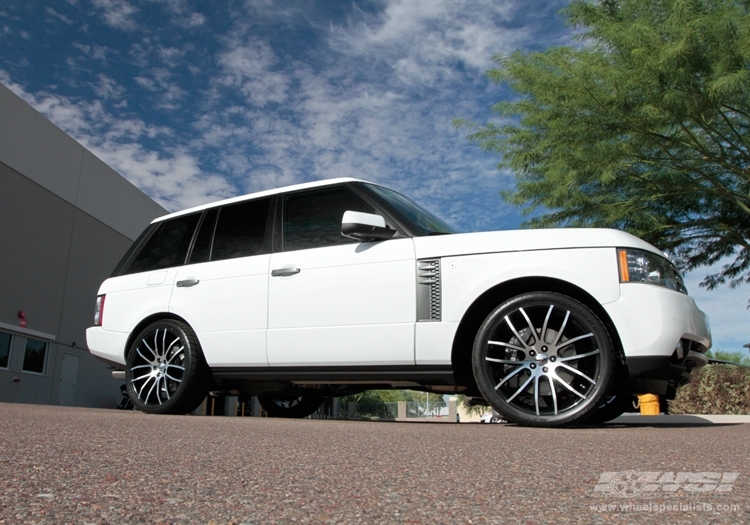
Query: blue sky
{"points": [[195, 101]]}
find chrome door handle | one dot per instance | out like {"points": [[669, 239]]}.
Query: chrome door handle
{"points": [[284, 272], [187, 283]]}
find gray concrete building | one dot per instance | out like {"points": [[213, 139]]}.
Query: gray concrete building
{"points": [[66, 218]]}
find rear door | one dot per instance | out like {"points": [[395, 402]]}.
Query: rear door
{"points": [[223, 290], [145, 282]]}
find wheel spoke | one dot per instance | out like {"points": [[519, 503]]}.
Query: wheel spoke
{"points": [[543, 335], [507, 345], [554, 393], [504, 361], [177, 352], [139, 378], [576, 371], [143, 356], [169, 349], [173, 378], [566, 385], [521, 389], [536, 394], [143, 386], [513, 373], [155, 385], [156, 344], [562, 328], [515, 332], [578, 356], [166, 387], [569, 342], [140, 366], [528, 321], [158, 388]]}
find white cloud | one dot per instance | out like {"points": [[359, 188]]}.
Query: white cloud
{"points": [[249, 67], [173, 177], [159, 80], [181, 15], [424, 40], [59, 16], [118, 13], [108, 88], [96, 52]]}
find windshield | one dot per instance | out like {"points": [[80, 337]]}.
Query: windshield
{"points": [[425, 222]]}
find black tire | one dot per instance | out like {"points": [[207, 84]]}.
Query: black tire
{"points": [[165, 371], [290, 406], [543, 359], [612, 407]]}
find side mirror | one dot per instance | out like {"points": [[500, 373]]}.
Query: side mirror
{"points": [[365, 226]]}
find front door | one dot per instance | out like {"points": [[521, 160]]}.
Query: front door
{"points": [[334, 301]]}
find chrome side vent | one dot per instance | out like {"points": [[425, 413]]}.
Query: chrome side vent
{"points": [[428, 290]]}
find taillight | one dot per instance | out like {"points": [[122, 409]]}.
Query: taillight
{"points": [[99, 312]]}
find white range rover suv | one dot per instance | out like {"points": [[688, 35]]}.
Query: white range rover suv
{"points": [[340, 286]]}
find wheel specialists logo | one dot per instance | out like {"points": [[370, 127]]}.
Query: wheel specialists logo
{"points": [[632, 483]]}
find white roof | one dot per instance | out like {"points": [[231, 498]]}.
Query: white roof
{"points": [[264, 193]]}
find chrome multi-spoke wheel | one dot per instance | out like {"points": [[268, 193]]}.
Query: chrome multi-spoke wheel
{"points": [[164, 373], [291, 406], [543, 359]]}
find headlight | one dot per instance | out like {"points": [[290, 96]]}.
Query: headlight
{"points": [[637, 266]]}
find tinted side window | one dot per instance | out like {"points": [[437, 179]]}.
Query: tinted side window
{"points": [[202, 246], [168, 245], [241, 230], [313, 219]]}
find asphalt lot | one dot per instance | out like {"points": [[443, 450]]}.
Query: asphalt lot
{"points": [[74, 465]]}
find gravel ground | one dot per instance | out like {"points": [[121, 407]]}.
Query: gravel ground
{"points": [[75, 465]]}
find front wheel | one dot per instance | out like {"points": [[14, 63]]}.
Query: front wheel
{"points": [[165, 372], [543, 359], [290, 406], [612, 407]]}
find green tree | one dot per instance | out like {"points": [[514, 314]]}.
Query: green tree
{"points": [[643, 126], [732, 357]]}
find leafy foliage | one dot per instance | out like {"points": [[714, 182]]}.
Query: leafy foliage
{"points": [[644, 126], [471, 408], [714, 389], [732, 357]]}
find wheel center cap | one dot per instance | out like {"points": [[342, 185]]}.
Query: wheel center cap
{"points": [[542, 358]]}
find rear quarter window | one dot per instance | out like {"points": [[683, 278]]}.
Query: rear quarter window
{"points": [[167, 247]]}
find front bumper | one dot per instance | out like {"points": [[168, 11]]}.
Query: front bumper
{"points": [[664, 337], [653, 321]]}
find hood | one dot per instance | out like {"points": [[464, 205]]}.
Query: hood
{"points": [[525, 240]]}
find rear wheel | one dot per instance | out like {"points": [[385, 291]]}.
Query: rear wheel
{"points": [[165, 372], [543, 359], [290, 406]]}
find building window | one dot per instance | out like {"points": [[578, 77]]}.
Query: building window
{"points": [[5, 341], [34, 356]]}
